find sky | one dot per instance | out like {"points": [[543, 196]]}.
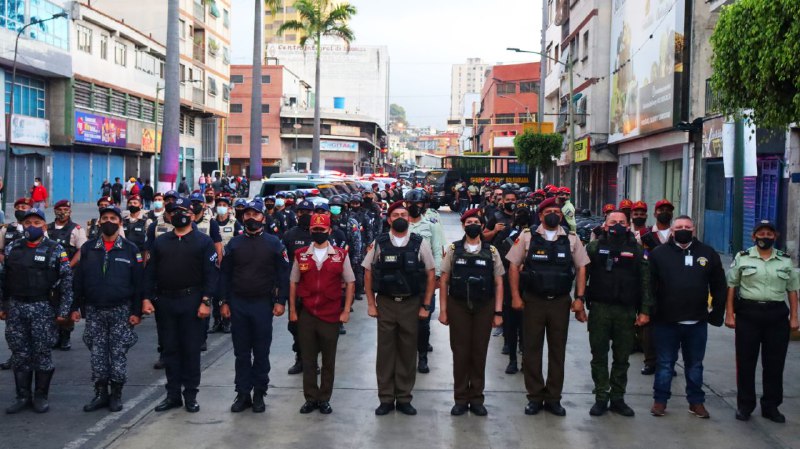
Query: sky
{"points": [[425, 38]]}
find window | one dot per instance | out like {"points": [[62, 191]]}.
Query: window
{"points": [[120, 53], [504, 119], [147, 63], [237, 79], [182, 124], [506, 88], [226, 55], [265, 109], [53, 32], [29, 96], [235, 140], [190, 125], [527, 87], [226, 92], [585, 55], [266, 79], [182, 28], [84, 38], [226, 18], [712, 99], [574, 49], [264, 140], [212, 86], [104, 46]]}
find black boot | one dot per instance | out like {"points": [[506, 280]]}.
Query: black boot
{"points": [[40, 402], [6, 365], [216, 327], [258, 401], [115, 399], [64, 340], [159, 363], [23, 379], [100, 397], [422, 365], [512, 367], [297, 368], [226, 326], [241, 403]]}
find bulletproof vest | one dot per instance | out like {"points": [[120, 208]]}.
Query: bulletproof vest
{"points": [[152, 215], [650, 240], [92, 229], [204, 226], [12, 234], [227, 230], [30, 272], [62, 236], [472, 275], [295, 239], [398, 271], [135, 231], [505, 240], [162, 227], [548, 269], [614, 273]]}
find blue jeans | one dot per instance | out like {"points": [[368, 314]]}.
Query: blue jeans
{"points": [[691, 340]]}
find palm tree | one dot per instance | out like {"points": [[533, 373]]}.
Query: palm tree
{"points": [[320, 18]]}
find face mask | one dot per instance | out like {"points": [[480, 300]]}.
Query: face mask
{"points": [[319, 237], [158, 204], [134, 209], [280, 202], [197, 208], [36, 183], [19, 215], [639, 221], [181, 219], [209, 199], [253, 225], [32, 233], [414, 211], [765, 243], [472, 230], [552, 220], [108, 228], [222, 210], [664, 218], [62, 216], [304, 221], [367, 202], [269, 206], [510, 206], [617, 232], [683, 236], [400, 225], [336, 210]]}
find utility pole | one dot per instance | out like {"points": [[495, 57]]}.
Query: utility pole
{"points": [[542, 76], [738, 186]]}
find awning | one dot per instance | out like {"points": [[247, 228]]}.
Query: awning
{"points": [[24, 150]]}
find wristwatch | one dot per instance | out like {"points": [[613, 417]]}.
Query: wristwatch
{"points": [[496, 313], [427, 307], [580, 298], [206, 301]]}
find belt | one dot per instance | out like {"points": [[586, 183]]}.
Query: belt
{"points": [[29, 298], [761, 303], [397, 298], [181, 292]]}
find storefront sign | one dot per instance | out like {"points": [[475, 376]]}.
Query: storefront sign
{"points": [[582, 150], [350, 131], [28, 131], [335, 145], [99, 130], [712, 138], [149, 140]]}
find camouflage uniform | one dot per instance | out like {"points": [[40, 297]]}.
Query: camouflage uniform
{"points": [[109, 336]]}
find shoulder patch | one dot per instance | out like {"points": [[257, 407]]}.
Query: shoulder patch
{"points": [[452, 246], [744, 253], [492, 249]]}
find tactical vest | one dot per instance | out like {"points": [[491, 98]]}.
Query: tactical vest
{"points": [[548, 269], [614, 273], [650, 240], [92, 229], [136, 231], [472, 274], [227, 230], [399, 272], [162, 227], [204, 226], [29, 271], [63, 236], [12, 234], [504, 241]]}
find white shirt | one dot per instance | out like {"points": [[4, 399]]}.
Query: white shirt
{"points": [[399, 241], [663, 235], [472, 248], [320, 254], [550, 235]]}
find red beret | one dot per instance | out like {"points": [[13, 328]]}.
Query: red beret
{"points": [[470, 213], [395, 205], [209, 190], [320, 221], [565, 190], [20, 201], [134, 197], [608, 208], [549, 202], [639, 205], [551, 188], [62, 203], [666, 203], [626, 204], [107, 199], [540, 192]]}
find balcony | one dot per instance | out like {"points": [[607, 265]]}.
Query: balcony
{"points": [[198, 96]]}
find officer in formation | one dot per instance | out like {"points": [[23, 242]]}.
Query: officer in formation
{"points": [[372, 209], [471, 296], [765, 276], [567, 208], [228, 229], [638, 222], [255, 287], [238, 209], [619, 298], [316, 279], [71, 237], [108, 293], [135, 222], [599, 229], [503, 217], [550, 260], [37, 296], [92, 226], [400, 280], [296, 238], [181, 277], [285, 217]]}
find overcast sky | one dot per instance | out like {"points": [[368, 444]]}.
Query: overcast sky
{"points": [[425, 37]]}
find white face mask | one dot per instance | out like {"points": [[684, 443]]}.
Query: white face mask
{"points": [[222, 210], [279, 202], [36, 183]]}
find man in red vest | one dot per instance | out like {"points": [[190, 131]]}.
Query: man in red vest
{"points": [[316, 279]]}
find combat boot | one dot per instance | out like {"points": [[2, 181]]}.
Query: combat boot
{"points": [[226, 326], [100, 397], [241, 402], [422, 365], [6, 365], [297, 368], [216, 327], [23, 379], [115, 399], [258, 401], [40, 402]]}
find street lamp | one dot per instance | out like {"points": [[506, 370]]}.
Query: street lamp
{"points": [[60, 15]]}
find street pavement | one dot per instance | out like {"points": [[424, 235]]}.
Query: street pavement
{"points": [[353, 423]]}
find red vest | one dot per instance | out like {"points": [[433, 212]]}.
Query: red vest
{"points": [[321, 289]]}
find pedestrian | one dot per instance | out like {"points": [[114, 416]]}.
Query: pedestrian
{"points": [[35, 270], [39, 194], [135, 222], [316, 279], [182, 276], [684, 272], [116, 193], [105, 188], [108, 292], [503, 216], [399, 279], [134, 188], [619, 298], [471, 296], [254, 268], [148, 194], [201, 182], [183, 187], [550, 260], [764, 276]]}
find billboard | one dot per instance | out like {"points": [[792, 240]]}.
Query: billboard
{"points": [[99, 130], [338, 145], [149, 140], [646, 66], [582, 149]]}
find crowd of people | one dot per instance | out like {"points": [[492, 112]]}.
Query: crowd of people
{"points": [[207, 262]]}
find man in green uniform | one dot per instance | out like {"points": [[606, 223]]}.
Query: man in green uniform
{"points": [[567, 208], [619, 287]]}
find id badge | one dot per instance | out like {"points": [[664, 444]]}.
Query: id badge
{"points": [[688, 261]]}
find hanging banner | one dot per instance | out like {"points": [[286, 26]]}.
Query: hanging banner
{"points": [[149, 140], [336, 145], [99, 130], [582, 150]]}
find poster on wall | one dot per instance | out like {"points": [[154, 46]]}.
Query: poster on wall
{"points": [[99, 130], [646, 66]]}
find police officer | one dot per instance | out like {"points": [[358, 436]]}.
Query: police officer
{"points": [[317, 276], [764, 276], [626, 206], [182, 275], [286, 217], [400, 280], [92, 227], [567, 208], [298, 237], [550, 259], [373, 212], [135, 222], [8, 234], [228, 229], [345, 227], [36, 271], [618, 296], [238, 209], [108, 292], [471, 295], [255, 285], [365, 225]]}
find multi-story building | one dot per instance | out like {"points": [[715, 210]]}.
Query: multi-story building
{"points": [[465, 79], [284, 13]]}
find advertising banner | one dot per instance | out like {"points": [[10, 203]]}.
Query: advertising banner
{"points": [[582, 150], [99, 130], [336, 145], [646, 66], [149, 140], [712, 138], [27, 131]]}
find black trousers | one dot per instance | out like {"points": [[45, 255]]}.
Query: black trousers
{"points": [[251, 329], [181, 334], [764, 328], [512, 328]]}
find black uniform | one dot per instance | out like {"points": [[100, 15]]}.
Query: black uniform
{"points": [[512, 319], [135, 231]]}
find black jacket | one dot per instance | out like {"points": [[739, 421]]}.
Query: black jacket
{"points": [[108, 279], [681, 288], [255, 266]]}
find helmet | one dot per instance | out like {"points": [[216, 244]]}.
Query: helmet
{"points": [[289, 195], [336, 200], [280, 195], [356, 198], [299, 194], [346, 197], [197, 196], [416, 196]]}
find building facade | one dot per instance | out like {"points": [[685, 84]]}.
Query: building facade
{"points": [[465, 79]]}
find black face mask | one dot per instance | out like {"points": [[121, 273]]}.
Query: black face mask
{"points": [[269, 206], [197, 208], [552, 220], [134, 209], [472, 230], [253, 225], [319, 237], [108, 228], [414, 210], [19, 215], [765, 243], [683, 236], [400, 225], [639, 221], [664, 218], [209, 199], [510, 206], [367, 202], [181, 219], [522, 220], [304, 221], [617, 233], [239, 215]]}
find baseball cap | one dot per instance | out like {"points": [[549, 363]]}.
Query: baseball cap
{"points": [[305, 205], [34, 211], [664, 202], [320, 221]]}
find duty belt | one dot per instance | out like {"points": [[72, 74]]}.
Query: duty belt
{"points": [[760, 302], [396, 298], [181, 292], [29, 298]]}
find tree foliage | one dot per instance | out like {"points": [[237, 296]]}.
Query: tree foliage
{"points": [[538, 150], [397, 114], [320, 18], [756, 66]]}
